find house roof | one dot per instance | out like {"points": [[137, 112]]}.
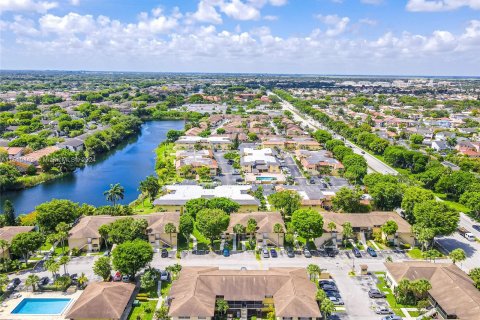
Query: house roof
{"points": [[88, 226], [366, 220], [265, 220], [9, 232], [102, 300], [194, 293], [452, 289]]}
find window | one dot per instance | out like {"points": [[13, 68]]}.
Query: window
{"points": [[184, 318]]}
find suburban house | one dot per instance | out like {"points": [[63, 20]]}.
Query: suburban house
{"points": [[247, 292], [259, 161], [175, 196], [8, 233], [439, 145], [73, 144], [85, 236], [188, 142], [469, 148], [14, 152], [196, 159], [34, 157], [265, 226], [364, 226], [453, 293], [306, 143], [311, 196], [320, 161], [102, 300]]}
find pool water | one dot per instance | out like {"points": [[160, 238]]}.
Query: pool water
{"points": [[266, 178], [41, 306]]}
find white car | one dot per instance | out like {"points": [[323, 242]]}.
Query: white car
{"points": [[383, 310]]}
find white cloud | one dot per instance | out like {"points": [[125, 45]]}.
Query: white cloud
{"points": [[336, 25], [75, 2], [206, 12], [239, 10], [270, 18], [368, 21], [441, 5], [26, 5]]}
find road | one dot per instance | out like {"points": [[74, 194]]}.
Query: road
{"points": [[227, 177], [373, 163]]}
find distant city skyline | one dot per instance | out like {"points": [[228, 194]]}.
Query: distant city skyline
{"points": [[318, 37]]}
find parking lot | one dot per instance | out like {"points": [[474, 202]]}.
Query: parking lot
{"points": [[471, 248], [227, 177]]}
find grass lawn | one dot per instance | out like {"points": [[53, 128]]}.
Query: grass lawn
{"points": [[202, 242], [455, 205], [183, 244], [143, 207], [165, 288], [382, 286], [152, 292], [415, 253], [140, 313]]}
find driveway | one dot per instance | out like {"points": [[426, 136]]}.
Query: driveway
{"points": [[471, 248], [227, 177], [294, 170]]}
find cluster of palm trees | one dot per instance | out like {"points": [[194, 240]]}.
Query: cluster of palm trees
{"points": [[411, 292], [251, 227], [326, 306]]}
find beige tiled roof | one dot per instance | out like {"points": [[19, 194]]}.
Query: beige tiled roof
{"points": [[452, 289], [194, 293], [364, 220], [102, 300], [8, 233], [265, 220]]}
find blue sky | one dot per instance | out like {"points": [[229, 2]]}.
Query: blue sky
{"points": [[404, 37]]}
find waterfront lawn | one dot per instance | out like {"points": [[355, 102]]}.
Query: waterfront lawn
{"points": [[165, 164], [139, 312], [140, 206]]}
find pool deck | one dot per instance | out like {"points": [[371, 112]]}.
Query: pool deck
{"points": [[7, 306]]}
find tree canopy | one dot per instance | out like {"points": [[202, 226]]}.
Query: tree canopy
{"points": [[131, 256], [50, 214], [308, 223], [212, 223]]}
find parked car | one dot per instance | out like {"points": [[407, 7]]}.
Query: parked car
{"points": [[371, 252], [126, 278], [13, 284], [375, 293], [324, 282], [265, 253], [117, 276], [383, 310], [332, 293], [43, 281], [74, 278], [164, 275], [336, 301], [273, 253], [312, 181], [226, 252], [356, 252], [392, 317], [307, 253], [106, 253], [230, 162], [330, 252], [164, 253], [290, 253], [329, 286]]}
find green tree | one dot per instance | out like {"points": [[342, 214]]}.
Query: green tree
{"points": [[287, 201], [9, 213], [223, 204], [346, 200], [195, 205], [471, 200], [103, 268], [420, 288], [327, 307], [32, 281], [4, 247], [173, 135], [251, 226], [131, 256], [63, 261], [212, 223], [3, 282], [8, 176], [313, 271], [62, 160], [127, 229], [332, 227], [413, 196], [387, 196], [238, 229], [416, 138], [52, 266], [457, 255], [149, 187], [170, 229], [423, 235], [162, 313], [308, 223], [320, 295], [115, 193], [322, 136], [390, 228], [437, 216], [347, 230], [474, 274], [62, 234], [82, 280], [278, 229], [25, 243], [50, 214], [186, 225], [455, 184], [221, 306]]}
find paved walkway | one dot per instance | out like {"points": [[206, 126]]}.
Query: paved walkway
{"points": [[195, 242]]}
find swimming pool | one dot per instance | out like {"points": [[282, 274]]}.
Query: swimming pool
{"points": [[266, 179], [41, 306]]}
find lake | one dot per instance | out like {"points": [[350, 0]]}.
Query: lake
{"points": [[128, 164]]}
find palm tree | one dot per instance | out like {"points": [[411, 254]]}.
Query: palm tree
{"points": [[251, 226], [32, 281], [238, 229], [170, 228], [221, 306], [347, 230], [313, 270], [4, 246], [52, 266], [149, 187], [457, 255], [332, 226], [62, 234], [115, 193], [327, 307], [82, 280], [277, 228], [320, 295], [104, 230], [63, 261], [420, 288]]}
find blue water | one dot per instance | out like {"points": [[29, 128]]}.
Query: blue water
{"points": [[128, 164], [41, 306]]}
